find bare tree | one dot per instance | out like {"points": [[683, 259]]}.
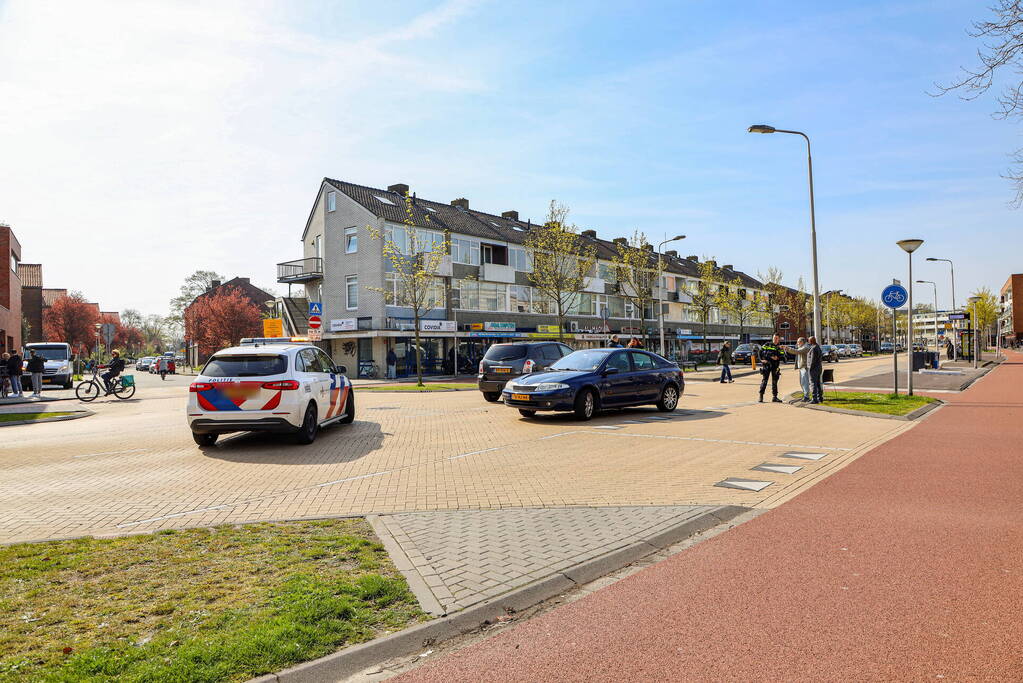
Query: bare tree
{"points": [[1002, 39]]}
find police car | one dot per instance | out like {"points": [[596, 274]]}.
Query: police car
{"points": [[279, 384]]}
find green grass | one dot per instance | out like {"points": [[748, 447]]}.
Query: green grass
{"points": [[429, 386], [889, 404], [222, 604], [19, 417]]}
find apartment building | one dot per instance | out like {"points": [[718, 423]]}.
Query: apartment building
{"points": [[482, 288], [10, 291], [1010, 317]]}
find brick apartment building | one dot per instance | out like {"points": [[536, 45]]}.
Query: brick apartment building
{"points": [[31, 275], [1010, 317], [10, 291]]}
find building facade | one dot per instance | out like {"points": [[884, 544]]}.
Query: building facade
{"points": [[1010, 317], [31, 275], [482, 289], [10, 291]]}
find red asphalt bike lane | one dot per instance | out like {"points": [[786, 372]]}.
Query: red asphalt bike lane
{"points": [[907, 564]]}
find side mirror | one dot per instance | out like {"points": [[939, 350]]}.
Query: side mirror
{"points": [[610, 371], [341, 370]]}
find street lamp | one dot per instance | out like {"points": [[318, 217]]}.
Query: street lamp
{"points": [[660, 303], [909, 246], [952, 268], [935, 285], [763, 128], [974, 300]]}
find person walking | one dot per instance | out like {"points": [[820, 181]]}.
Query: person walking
{"points": [[950, 350], [802, 350], [725, 361], [771, 356], [36, 366], [815, 365], [392, 364], [614, 343], [5, 377], [14, 370]]}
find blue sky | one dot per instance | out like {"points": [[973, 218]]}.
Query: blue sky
{"points": [[193, 135]]}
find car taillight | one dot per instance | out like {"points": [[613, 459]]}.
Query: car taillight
{"points": [[481, 367], [284, 385], [199, 386], [528, 366]]}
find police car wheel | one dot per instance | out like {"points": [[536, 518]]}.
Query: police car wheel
{"points": [[307, 433], [204, 439], [349, 415]]}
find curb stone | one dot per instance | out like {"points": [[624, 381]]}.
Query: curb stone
{"points": [[351, 660], [912, 415]]}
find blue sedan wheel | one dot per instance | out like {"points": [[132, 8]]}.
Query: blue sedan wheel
{"points": [[669, 399], [585, 404]]}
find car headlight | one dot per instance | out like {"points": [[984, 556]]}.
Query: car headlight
{"points": [[551, 386], [63, 368]]}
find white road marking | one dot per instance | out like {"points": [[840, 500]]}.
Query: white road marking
{"points": [[633, 435], [466, 455], [361, 476], [744, 484], [93, 455]]}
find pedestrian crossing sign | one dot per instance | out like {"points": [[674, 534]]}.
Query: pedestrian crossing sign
{"points": [[315, 308]]}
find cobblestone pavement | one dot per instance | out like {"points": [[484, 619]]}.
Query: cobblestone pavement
{"points": [[133, 466], [465, 557]]}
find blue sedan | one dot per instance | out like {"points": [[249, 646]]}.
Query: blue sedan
{"points": [[587, 381]]}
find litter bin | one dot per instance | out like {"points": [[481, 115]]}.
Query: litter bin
{"points": [[935, 360], [921, 360]]}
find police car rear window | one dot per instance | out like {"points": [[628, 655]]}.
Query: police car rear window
{"points": [[245, 366]]}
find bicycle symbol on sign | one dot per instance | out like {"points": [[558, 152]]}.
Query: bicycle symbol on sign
{"points": [[895, 297]]}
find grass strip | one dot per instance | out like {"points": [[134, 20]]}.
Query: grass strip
{"points": [[21, 417], [888, 404], [221, 604]]}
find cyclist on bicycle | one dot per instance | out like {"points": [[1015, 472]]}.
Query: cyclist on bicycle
{"points": [[113, 370], [162, 367]]}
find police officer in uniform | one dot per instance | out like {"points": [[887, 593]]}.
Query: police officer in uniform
{"points": [[771, 357]]}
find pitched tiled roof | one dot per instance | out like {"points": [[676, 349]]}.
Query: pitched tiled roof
{"points": [[51, 295], [31, 274], [441, 216]]}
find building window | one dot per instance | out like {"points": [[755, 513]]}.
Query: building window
{"points": [[318, 246], [519, 297], [519, 260], [352, 292], [351, 240], [331, 201], [465, 251]]}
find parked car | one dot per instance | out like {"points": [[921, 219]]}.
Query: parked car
{"points": [[504, 362], [742, 353], [57, 359], [843, 350], [831, 354], [585, 382], [857, 350], [887, 347], [289, 388], [142, 364]]}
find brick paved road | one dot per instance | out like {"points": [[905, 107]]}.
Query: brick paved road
{"points": [[133, 466]]}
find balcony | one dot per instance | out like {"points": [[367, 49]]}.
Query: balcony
{"points": [[594, 285], [494, 272], [302, 270]]}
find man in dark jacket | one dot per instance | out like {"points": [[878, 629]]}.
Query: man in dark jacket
{"points": [[35, 366], [815, 363], [725, 360], [113, 370], [14, 369], [771, 357]]}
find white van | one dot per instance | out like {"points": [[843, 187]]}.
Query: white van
{"points": [[58, 361]]}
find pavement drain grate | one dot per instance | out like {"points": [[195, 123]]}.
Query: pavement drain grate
{"points": [[804, 456], [744, 484], [780, 469]]}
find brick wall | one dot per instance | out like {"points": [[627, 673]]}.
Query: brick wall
{"points": [[10, 291]]}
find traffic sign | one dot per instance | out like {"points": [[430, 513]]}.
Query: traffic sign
{"points": [[273, 327], [315, 308], [108, 330], [315, 335], [894, 296], [959, 316], [314, 322]]}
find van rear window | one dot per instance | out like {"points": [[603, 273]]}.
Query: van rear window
{"points": [[503, 352], [245, 366]]}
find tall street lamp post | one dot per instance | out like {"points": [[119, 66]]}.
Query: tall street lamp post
{"points": [[934, 284], [660, 302], [762, 128], [952, 268], [909, 246]]}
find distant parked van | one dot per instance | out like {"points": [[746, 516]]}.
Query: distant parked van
{"points": [[58, 361]]}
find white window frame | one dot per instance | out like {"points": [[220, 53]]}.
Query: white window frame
{"points": [[331, 201], [351, 237], [350, 281]]}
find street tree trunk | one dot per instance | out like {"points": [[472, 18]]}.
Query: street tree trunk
{"points": [[419, 346]]}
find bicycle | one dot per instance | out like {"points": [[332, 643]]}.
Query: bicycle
{"points": [[369, 370], [91, 389]]}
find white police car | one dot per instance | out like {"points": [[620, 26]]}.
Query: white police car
{"points": [[269, 385]]}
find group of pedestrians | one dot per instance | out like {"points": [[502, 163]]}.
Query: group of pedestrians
{"points": [[809, 363], [13, 369]]}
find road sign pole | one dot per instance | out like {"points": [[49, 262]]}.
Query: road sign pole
{"points": [[895, 349]]}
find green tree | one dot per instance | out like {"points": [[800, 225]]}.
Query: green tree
{"points": [[703, 293], [562, 261], [638, 271], [740, 304], [986, 310], [413, 256]]}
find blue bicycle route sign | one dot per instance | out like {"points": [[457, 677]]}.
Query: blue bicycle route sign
{"points": [[894, 296]]}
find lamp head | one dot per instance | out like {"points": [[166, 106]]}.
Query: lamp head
{"points": [[678, 237], [909, 246], [760, 128], [973, 299], [931, 258]]}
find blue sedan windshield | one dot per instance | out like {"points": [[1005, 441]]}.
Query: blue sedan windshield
{"points": [[581, 360]]}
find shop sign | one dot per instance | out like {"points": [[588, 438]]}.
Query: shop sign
{"points": [[477, 327], [344, 325], [590, 337], [494, 334], [547, 329], [543, 335], [682, 332], [436, 325], [499, 327]]}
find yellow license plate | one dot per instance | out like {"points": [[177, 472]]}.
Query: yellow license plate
{"points": [[520, 397], [502, 369]]}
